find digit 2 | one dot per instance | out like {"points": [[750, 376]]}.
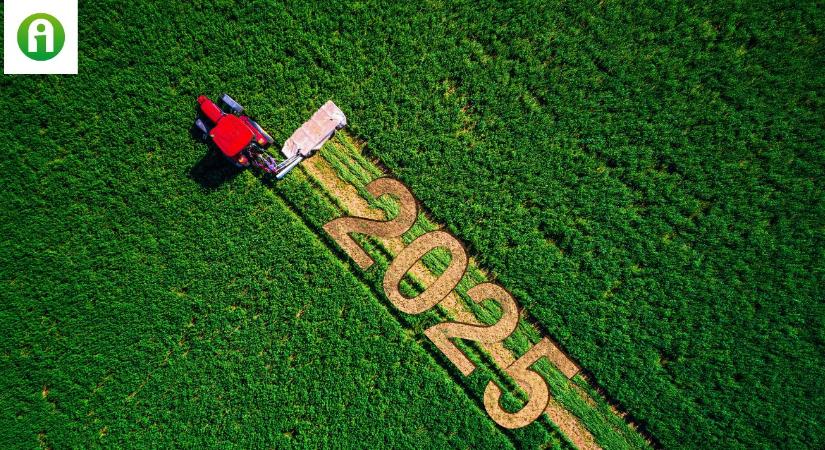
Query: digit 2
{"points": [[442, 334], [341, 228]]}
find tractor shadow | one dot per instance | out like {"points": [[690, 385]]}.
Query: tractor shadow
{"points": [[212, 170]]}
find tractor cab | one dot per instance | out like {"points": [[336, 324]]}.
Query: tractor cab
{"points": [[235, 136]]}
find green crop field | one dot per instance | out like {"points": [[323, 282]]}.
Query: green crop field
{"points": [[644, 177]]}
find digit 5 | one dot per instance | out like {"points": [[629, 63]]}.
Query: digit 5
{"points": [[538, 393]]}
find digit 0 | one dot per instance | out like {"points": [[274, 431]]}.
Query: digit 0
{"points": [[436, 291]]}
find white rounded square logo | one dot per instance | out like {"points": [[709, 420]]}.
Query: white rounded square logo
{"points": [[40, 37]]}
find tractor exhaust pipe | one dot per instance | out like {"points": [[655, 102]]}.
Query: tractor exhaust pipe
{"points": [[288, 164]]}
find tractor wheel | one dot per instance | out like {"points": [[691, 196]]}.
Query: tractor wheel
{"points": [[199, 130], [230, 103]]}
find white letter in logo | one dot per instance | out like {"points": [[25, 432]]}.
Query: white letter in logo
{"points": [[41, 27]]}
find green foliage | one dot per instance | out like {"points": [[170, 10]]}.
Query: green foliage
{"points": [[644, 177], [142, 309]]}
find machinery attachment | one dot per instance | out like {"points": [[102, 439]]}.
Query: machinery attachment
{"points": [[287, 165], [268, 164], [307, 139]]}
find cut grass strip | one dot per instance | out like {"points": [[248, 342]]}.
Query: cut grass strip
{"points": [[417, 323], [608, 429]]}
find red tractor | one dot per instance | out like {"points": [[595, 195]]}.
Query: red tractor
{"points": [[243, 142]]}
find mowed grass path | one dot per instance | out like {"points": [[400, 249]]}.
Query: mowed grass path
{"points": [[643, 177]]}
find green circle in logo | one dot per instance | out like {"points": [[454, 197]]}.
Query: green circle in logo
{"points": [[41, 37]]}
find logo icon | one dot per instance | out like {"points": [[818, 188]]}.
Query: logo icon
{"points": [[41, 37]]}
